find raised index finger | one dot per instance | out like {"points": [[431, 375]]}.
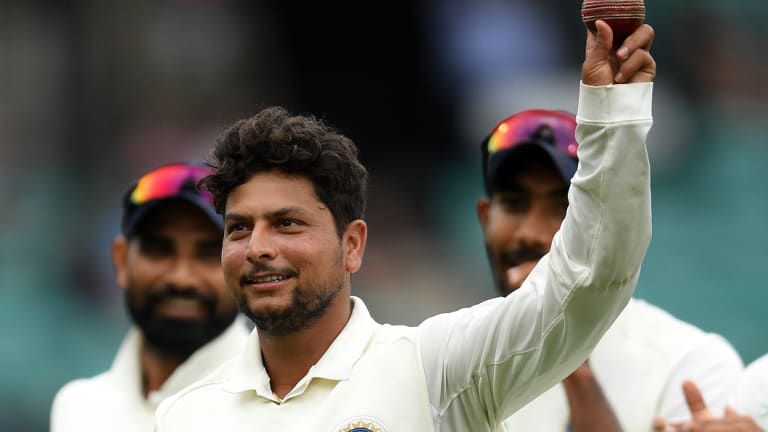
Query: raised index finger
{"points": [[696, 404]]}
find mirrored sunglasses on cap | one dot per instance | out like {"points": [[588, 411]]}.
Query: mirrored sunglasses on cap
{"points": [[555, 128], [171, 180]]}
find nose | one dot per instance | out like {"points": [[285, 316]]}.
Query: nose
{"points": [[182, 275], [261, 246], [537, 228]]}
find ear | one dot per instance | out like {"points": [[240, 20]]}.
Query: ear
{"points": [[483, 207], [120, 260], [353, 243]]}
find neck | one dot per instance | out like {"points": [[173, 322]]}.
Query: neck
{"points": [[288, 357], [156, 367]]}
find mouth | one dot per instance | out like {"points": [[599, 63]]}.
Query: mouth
{"points": [[264, 280], [521, 256], [181, 308], [514, 264], [515, 274], [269, 278]]}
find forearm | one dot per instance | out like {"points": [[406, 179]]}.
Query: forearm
{"points": [[608, 225], [590, 410], [601, 244]]}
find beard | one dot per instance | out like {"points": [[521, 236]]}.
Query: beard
{"points": [[177, 337], [307, 304], [304, 309]]}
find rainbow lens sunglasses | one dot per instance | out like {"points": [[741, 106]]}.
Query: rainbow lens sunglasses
{"points": [[169, 181], [556, 128]]}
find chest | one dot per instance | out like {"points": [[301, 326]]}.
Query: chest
{"points": [[386, 391]]}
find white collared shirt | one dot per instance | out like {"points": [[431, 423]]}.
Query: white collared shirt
{"points": [[114, 400], [751, 398], [470, 369]]}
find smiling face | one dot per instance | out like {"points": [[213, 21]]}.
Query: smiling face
{"points": [[282, 256], [171, 273], [520, 221]]}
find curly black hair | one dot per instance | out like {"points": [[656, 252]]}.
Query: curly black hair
{"points": [[295, 145]]}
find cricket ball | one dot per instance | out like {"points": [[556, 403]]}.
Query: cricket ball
{"points": [[624, 16]]}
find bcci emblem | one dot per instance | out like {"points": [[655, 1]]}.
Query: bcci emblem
{"points": [[362, 424]]}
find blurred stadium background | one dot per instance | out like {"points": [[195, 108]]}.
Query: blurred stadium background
{"points": [[93, 93]]}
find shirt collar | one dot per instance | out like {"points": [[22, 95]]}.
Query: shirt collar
{"points": [[127, 367], [206, 359], [336, 363]]}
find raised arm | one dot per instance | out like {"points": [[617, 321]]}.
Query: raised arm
{"points": [[498, 355]]}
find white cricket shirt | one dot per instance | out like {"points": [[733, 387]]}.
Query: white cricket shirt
{"points": [[752, 395], [640, 365], [114, 401], [470, 369]]}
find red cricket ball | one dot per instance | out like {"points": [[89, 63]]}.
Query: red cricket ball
{"points": [[624, 16]]}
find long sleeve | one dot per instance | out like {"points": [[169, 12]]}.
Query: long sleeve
{"points": [[483, 363]]}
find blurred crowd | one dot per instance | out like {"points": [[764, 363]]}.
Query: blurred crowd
{"points": [[94, 93]]}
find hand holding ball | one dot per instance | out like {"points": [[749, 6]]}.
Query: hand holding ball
{"points": [[624, 16]]}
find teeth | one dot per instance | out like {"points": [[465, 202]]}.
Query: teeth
{"points": [[271, 278]]}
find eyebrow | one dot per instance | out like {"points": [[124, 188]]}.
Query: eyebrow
{"points": [[282, 212], [151, 237], [235, 217], [285, 211]]}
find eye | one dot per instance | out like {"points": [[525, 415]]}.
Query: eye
{"points": [[237, 230], [156, 247], [289, 226], [513, 203], [236, 227]]}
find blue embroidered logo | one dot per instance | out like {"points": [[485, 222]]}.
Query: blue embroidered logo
{"points": [[362, 424]]}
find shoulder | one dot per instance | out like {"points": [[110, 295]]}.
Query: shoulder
{"points": [[212, 383], [83, 387], [645, 325], [387, 333], [654, 324], [757, 370], [751, 395], [78, 397]]}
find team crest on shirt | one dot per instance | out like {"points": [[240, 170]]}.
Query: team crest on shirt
{"points": [[361, 424]]}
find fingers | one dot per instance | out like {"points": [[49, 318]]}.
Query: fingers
{"points": [[641, 38], [696, 404], [599, 66], [631, 63], [730, 412], [636, 62], [703, 420], [659, 424], [638, 67], [602, 41]]}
